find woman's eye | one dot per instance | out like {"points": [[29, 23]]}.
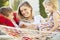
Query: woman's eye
{"points": [[25, 9]]}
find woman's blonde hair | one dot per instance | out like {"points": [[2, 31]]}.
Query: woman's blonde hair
{"points": [[51, 2]]}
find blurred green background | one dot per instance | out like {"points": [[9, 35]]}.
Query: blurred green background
{"points": [[4, 3], [42, 9], [7, 3]]}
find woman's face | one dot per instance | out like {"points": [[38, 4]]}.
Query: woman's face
{"points": [[26, 11]]}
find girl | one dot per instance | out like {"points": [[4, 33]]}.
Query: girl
{"points": [[53, 17]]}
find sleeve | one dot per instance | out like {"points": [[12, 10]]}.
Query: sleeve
{"points": [[16, 18], [39, 19], [5, 21]]}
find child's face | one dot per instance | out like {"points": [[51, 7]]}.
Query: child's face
{"points": [[26, 11], [48, 8], [11, 15]]}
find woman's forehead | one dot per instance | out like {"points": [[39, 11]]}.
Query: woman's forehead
{"points": [[25, 7]]}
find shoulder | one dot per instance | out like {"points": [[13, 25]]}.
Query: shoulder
{"points": [[2, 17], [38, 16], [16, 17], [15, 13], [56, 13]]}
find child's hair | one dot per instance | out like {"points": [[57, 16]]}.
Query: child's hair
{"points": [[24, 4], [5, 11], [51, 2]]}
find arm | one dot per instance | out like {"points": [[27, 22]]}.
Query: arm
{"points": [[22, 25], [55, 17]]}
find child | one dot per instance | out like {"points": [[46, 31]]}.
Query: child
{"points": [[6, 17]]}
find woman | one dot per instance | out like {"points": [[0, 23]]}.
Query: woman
{"points": [[7, 18], [54, 16], [27, 19]]}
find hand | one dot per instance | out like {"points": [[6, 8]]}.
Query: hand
{"points": [[32, 26], [23, 26]]}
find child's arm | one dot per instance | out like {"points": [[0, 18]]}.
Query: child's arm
{"points": [[55, 17]]}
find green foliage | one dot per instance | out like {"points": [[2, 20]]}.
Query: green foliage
{"points": [[2, 2], [42, 10], [16, 4]]}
